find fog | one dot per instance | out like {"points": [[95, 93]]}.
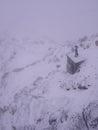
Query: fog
{"points": [[56, 19]]}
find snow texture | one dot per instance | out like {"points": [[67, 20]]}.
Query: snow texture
{"points": [[37, 93]]}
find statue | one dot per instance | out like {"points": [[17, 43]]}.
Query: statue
{"points": [[76, 51]]}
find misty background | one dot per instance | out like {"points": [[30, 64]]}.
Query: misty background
{"points": [[56, 19]]}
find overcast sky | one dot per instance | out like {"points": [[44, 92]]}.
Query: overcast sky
{"points": [[56, 19]]}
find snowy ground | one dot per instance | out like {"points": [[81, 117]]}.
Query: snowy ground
{"points": [[35, 85]]}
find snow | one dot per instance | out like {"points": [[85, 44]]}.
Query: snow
{"points": [[36, 91], [34, 83], [76, 59]]}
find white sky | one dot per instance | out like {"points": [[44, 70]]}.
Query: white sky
{"points": [[57, 19]]}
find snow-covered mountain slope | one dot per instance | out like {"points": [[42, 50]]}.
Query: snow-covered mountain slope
{"points": [[37, 92]]}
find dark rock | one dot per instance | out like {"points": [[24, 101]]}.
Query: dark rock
{"points": [[58, 66], [76, 122], [96, 43], [82, 87], [91, 115]]}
